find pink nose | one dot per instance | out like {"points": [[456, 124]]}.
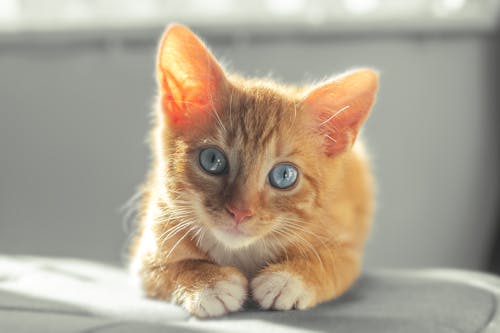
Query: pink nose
{"points": [[238, 214]]}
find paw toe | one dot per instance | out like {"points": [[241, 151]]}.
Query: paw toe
{"points": [[224, 297], [280, 291]]}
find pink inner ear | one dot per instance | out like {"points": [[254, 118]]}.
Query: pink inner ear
{"points": [[336, 130], [190, 79], [185, 103], [340, 107]]}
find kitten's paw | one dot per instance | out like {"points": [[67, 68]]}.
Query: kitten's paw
{"points": [[281, 291], [223, 297]]}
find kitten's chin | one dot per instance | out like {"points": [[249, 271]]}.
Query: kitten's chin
{"points": [[233, 238]]}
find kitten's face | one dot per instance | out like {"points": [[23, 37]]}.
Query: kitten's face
{"points": [[241, 159], [247, 171]]}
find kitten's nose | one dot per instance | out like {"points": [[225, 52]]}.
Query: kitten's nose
{"points": [[238, 214]]}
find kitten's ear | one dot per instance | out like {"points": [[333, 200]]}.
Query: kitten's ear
{"points": [[190, 79], [340, 107]]}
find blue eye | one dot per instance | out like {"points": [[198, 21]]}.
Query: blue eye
{"points": [[213, 161], [283, 176]]}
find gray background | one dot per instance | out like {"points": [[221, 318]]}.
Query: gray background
{"points": [[74, 116]]}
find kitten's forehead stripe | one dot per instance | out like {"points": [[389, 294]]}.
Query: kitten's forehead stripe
{"points": [[256, 118]]}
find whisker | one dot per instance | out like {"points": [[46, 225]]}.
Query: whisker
{"points": [[329, 137], [289, 229], [280, 244], [211, 100], [174, 228], [299, 227], [289, 236], [177, 243], [335, 115], [231, 104], [173, 231], [196, 234], [200, 239], [328, 244], [294, 115], [130, 210]]}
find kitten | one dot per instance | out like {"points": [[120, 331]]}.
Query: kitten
{"points": [[255, 188]]}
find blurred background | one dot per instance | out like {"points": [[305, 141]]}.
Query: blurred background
{"points": [[76, 86]]}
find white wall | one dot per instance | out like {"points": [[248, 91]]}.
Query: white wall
{"points": [[74, 115]]}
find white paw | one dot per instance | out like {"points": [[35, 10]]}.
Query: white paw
{"points": [[224, 297], [280, 291]]}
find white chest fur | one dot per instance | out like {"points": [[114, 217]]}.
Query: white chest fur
{"points": [[249, 259]]}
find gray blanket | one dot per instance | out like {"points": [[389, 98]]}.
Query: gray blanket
{"points": [[68, 295]]}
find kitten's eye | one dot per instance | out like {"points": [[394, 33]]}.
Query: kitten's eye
{"points": [[213, 161], [283, 176]]}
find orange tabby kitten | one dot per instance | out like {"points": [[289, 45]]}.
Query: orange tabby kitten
{"points": [[256, 189]]}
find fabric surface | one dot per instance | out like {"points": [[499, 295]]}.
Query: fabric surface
{"points": [[69, 295]]}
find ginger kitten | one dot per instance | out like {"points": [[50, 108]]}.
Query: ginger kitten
{"points": [[256, 189]]}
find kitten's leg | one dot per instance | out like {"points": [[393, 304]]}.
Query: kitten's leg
{"points": [[203, 288], [303, 282]]}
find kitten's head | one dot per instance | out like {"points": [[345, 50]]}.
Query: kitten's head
{"points": [[242, 158]]}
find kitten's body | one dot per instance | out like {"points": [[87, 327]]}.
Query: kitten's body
{"points": [[298, 247]]}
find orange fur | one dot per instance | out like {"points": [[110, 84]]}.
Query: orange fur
{"points": [[301, 246]]}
